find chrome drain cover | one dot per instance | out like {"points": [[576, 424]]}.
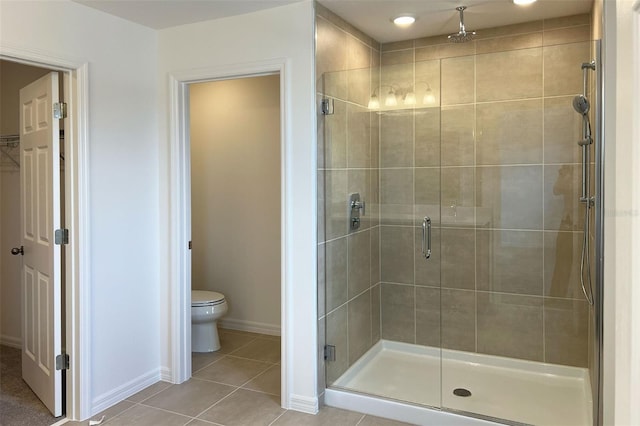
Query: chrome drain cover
{"points": [[461, 392]]}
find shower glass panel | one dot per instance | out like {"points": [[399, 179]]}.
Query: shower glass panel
{"points": [[472, 148]]}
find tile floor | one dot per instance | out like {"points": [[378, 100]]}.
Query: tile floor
{"points": [[236, 386]]}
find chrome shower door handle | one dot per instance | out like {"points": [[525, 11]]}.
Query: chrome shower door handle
{"points": [[426, 237]]}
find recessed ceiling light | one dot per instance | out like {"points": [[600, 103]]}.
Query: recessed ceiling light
{"points": [[523, 2], [404, 20]]}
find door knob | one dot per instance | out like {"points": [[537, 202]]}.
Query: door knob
{"points": [[17, 251]]}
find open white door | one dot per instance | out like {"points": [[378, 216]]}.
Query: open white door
{"points": [[41, 267]]}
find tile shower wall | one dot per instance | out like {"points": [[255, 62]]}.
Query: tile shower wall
{"points": [[347, 67], [494, 163]]}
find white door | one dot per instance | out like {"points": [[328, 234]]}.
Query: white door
{"points": [[40, 208]]}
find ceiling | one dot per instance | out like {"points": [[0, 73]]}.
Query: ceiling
{"points": [[373, 17]]}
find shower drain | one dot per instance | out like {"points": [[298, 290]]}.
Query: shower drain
{"points": [[461, 392]]}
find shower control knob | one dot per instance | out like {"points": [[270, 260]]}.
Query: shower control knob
{"points": [[17, 251]]}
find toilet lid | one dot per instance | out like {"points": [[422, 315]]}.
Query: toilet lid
{"points": [[201, 297]]}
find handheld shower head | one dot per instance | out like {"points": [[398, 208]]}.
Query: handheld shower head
{"points": [[581, 105]]}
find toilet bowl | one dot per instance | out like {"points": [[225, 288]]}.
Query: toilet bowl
{"points": [[206, 308]]}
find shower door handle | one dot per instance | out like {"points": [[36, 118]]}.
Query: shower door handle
{"points": [[426, 237]]}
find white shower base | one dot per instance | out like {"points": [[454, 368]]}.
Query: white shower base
{"points": [[502, 388]]}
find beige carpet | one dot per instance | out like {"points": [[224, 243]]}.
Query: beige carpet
{"points": [[19, 406]]}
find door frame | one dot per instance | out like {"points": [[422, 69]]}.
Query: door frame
{"points": [[180, 178], [77, 294]]}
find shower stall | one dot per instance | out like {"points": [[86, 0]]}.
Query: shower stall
{"points": [[458, 224]]}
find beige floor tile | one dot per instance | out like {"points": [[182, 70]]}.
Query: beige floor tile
{"points": [[379, 421], [268, 382], [328, 416], [108, 414], [141, 415], [199, 360], [191, 397], [230, 341], [260, 350], [196, 422], [149, 391], [232, 371], [245, 408]]}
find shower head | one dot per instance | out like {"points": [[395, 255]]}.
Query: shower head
{"points": [[581, 104], [462, 35]]}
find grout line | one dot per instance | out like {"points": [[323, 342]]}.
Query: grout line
{"points": [[361, 419], [276, 419]]}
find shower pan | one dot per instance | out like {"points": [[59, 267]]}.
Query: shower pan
{"points": [[463, 295]]}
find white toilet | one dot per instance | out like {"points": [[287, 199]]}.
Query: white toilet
{"points": [[206, 308]]}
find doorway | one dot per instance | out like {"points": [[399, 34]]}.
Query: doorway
{"points": [[74, 303]]}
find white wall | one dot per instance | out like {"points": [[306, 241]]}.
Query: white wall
{"points": [[281, 33], [235, 197], [622, 214], [13, 77], [123, 176]]}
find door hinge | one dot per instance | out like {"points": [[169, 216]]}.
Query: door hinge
{"points": [[61, 236], [326, 106], [59, 110], [329, 353], [62, 362]]}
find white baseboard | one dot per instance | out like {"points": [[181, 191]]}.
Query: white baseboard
{"points": [[165, 374], [252, 326], [303, 404], [108, 399], [13, 342]]}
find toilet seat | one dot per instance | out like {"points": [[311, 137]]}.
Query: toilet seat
{"points": [[206, 298]]}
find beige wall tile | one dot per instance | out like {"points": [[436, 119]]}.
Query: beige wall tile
{"points": [[562, 68], [375, 140], [428, 316], [459, 320], [562, 131], [336, 219], [329, 16], [562, 189], [567, 21], [396, 254], [336, 335], [373, 206], [335, 137], [457, 256], [396, 196], [331, 48], [358, 53], [430, 41], [515, 42], [457, 135], [396, 140], [399, 77], [397, 45], [397, 57], [322, 281], [515, 74], [375, 255], [427, 195], [359, 262], [511, 196], [358, 137], [457, 194], [359, 326], [567, 35], [508, 30], [562, 252], [509, 132], [457, 80], [510, 261], [359, 86], [398, 312], [427, 136], [510, 325], [336, 273], [566, 329], [427, 271], [441, 51], [375, 314]]}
